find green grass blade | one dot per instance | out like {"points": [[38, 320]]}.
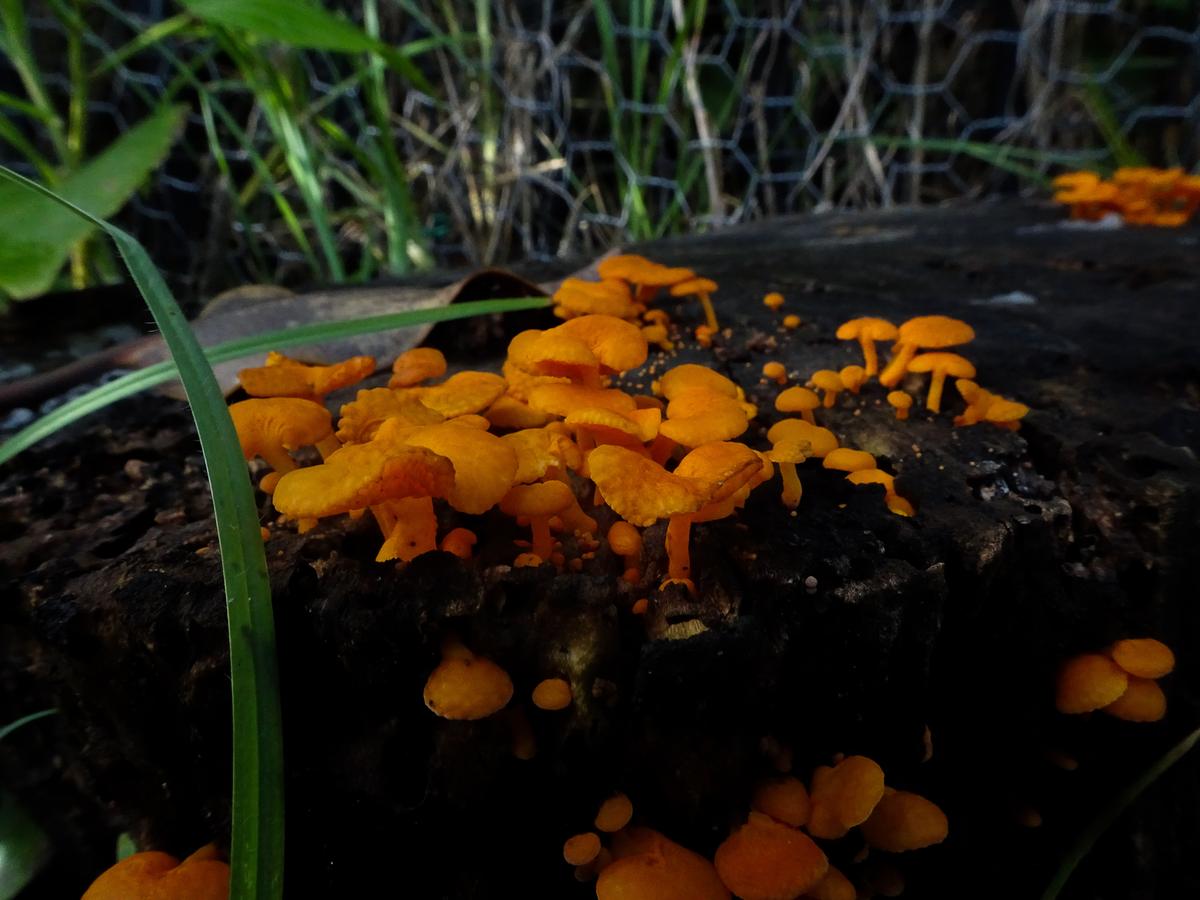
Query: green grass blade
{"points": [[144, 379], [23, 721], [1113, 811], [256, 844]]}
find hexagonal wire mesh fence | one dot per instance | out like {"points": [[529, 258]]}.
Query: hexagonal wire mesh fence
{"points": [[547, 129]]}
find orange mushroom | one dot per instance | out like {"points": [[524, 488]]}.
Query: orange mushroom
{"points": [[610, 297], [901, 402], [650, 866], [360, 419], [844, 459], [271, 427], [614, 813], [843, 796], [783, 799], [539, 503], [1143, 657], [923, 332], [459, 541], [581, 849], [463, 393], [417, 365], [787, 453], [158, 876], [791, 321], [765, 860], [466, 687], [701, 287], [626, 541], [1143, 701], [867, 330], [830, 382], [1088, 682], [904, 821], [939, 365], [798, 399], [773, 301], [552, 694], [834, 886], [776, 371], [284, 377], [822, 441], [853, 378]]}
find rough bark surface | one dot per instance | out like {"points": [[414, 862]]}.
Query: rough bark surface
{"points": [[1027, 547]]}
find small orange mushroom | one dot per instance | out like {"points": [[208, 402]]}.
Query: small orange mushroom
{"points": [[1143, 657], [904, 821], [539, 503], [821, 440], [626, 542], [787, 453], [284, 377], [459, 541], [1088, 682], [798, 399], [844, 796], [791, 321], [158, 876], [853, 378], [270, 427], [581, 849], [700, 287], [830, 382], [773, 301], [417, 365], [465, 686], [940, 365], [845, 459], [765, 860], [901, 402], [650, 866], [928, 332], [775, 371], [783, 799], [614, 813], [1143, 701], [867, 330], [834, 886]]}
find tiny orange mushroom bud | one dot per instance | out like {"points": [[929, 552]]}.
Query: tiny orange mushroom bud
{"points": [[798, 399], [929, 332], [1143, 657], [700, 287], [704, 335], [159, 876], [773, 301], [466, 687], [581, 849], [614, 813], [1088, 682], [640, 606], [417, 365], [459, 541], [845, 459], [791, 321], [783, 799], [830, 382], [940, 365], [867, 330], [905, 821], [552, 694], [901, 402], [765, 860], [1143, 701], [539, 502], [853, 377], [626, 542], [776, 371]]}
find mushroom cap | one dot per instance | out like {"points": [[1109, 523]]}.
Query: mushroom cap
{"points": [[538, 451], [160, 876], [552, 693], [545, 498], [624, 539], [553, 353], [790, 451], [688, 376], [416, 365], [936, 331], [362, 475], [1001, 410], [784, 799], [461, 394], [844, 796], [1143, 701], [650, 866], [484, 464], [774, 369], [467, 687], [845, 459], [853, 376], [695, 285], [521, 382], [581, 849], [905, 821], [617, 344], [822, 440], [639, 270], [1088, 682], [1075, 179], [608, 426], [868, 328], [288, 422], [609, 297], [796, 399], [360, 419], [563, 399], [947, 363], [614, 814], [765, 860], [283, 377], [510, 413], [827, 380], [722, 466], [873, 476], [638, 489], [773, 300], [698, 416], [1143, 657], [900, 400]]}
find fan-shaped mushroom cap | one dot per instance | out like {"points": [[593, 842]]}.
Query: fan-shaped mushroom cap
{"points": [[613, 427], [466, 687], [929, 332], [484, 464], [461, 394], [1003, 412], [538, 451], [283, 377], [542, 499], [362, 475], [1143, 701], [617, 345], [784, 800], [689, 376], [563, 399], [650, 866], [417, 365], [722, 466], [698, 416], [1143, 657], [764, 860], [639, 490], [509, 412], [695, 285], [789, 451], [873, 476], [552, 694], [361, 418], [554, 353], [1088, 682], [610, 297], [797, 399], [940, 365], [845, 459], [639, 270], [822, 440], [265, 426], [844, 796], [905, 821], [159, 876]]}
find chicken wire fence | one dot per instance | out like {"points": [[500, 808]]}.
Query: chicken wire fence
{"points": [[548, 129]]}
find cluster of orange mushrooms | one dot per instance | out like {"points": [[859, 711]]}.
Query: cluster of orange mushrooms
{"points": [[1140, 195], [772, 855], [1122, 681]]}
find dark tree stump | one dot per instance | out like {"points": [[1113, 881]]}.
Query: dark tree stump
{"points": [[1027, 547]]}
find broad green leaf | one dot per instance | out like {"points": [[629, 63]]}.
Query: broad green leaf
{"points": [[36, 234]]}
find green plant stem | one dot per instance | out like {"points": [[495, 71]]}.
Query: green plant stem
{"points": [[8, 729]]}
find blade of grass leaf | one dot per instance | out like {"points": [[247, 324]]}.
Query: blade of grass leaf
{"points": [[256, 843], [1113, 811], [8, 729], [144, 379]]}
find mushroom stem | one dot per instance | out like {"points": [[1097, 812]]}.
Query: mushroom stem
{"points": [[792, 488], [870, 357], [933, 401], [898, 364], [662, 448], [278, 459], [710, 314], [543, 540], [807, 416], [678, 534], [414, 531], [328, 445], [830, 398]]}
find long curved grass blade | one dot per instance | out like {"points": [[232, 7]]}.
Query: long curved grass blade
{"points": [[144, 379], [256, 844], [1113, 811], [8, 729]]}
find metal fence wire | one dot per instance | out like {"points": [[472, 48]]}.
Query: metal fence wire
{"points": [[557, 128]]}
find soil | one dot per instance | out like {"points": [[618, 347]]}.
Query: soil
{"points": [[843, 629]]}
